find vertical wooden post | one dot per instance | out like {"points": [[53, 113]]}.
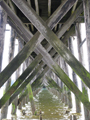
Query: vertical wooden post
{"points": [[78, 108], [78, 105], [80, 52], [4, 109], [15, 102], [69, 97], [66, 89], [30, 93], [3, 21], [64, 93], [86, 4]]}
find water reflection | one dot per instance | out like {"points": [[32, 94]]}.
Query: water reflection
{"points": [[50, 106]]}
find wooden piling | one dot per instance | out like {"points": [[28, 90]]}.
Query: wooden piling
{"points": [[4, 109], [80, 52], [30, 93], [78, 107], [3, 22]]}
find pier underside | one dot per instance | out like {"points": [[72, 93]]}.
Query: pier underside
{"points": [[45, 30]]}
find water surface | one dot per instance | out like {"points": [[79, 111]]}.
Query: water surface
{"points": [[50, 106]]}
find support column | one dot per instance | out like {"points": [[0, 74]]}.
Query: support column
{"points": [[15, 102], [80, 52], [4, 109], [78, 108], [86, 6], [3, 22]]}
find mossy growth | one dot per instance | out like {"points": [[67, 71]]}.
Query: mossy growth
{"points": [[13, 108], [35, 113]]}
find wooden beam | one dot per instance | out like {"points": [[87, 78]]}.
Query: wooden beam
{"points": [[12, 6], [30, 94], [38, 79], [53, 84], [69, 33], [23, 54], [24, 84], [65, 79], [22, 36], [22, 96], [51, 22], [74, 77], [86, 6], [70, 21], [49, 8], [55, 42], [3, 21], [29, 2], [36, 6], [74, 7], [20, 80]]}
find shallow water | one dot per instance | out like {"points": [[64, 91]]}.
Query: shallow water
{"points": [[50, 106]]}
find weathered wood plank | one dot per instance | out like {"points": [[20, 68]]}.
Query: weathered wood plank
{"points": [[37, 6]]}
